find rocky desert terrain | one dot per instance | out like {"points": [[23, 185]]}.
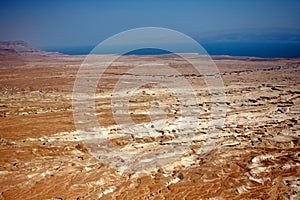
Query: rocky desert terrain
{"points": [[256, 154]]}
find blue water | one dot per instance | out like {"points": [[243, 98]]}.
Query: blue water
{"points": [[255, 49]]}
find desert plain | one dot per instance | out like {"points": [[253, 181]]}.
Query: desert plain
{"points": [[256, 154]]}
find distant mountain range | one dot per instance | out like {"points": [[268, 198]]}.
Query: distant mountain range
{"points": [[12, 51], [250, 35], [18, 47]]}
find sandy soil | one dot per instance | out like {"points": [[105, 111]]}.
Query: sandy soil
{"points": [[256, 155]]}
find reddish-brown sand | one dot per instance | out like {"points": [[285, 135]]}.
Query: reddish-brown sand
{"points": [[256, 156]]}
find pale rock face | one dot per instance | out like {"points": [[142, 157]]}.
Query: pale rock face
{"points": [[255, 154]]}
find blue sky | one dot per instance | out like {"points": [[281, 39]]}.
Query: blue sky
{"points": [[79, 22]]}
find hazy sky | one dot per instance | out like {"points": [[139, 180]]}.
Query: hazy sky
{"points": [[79, 22]]}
